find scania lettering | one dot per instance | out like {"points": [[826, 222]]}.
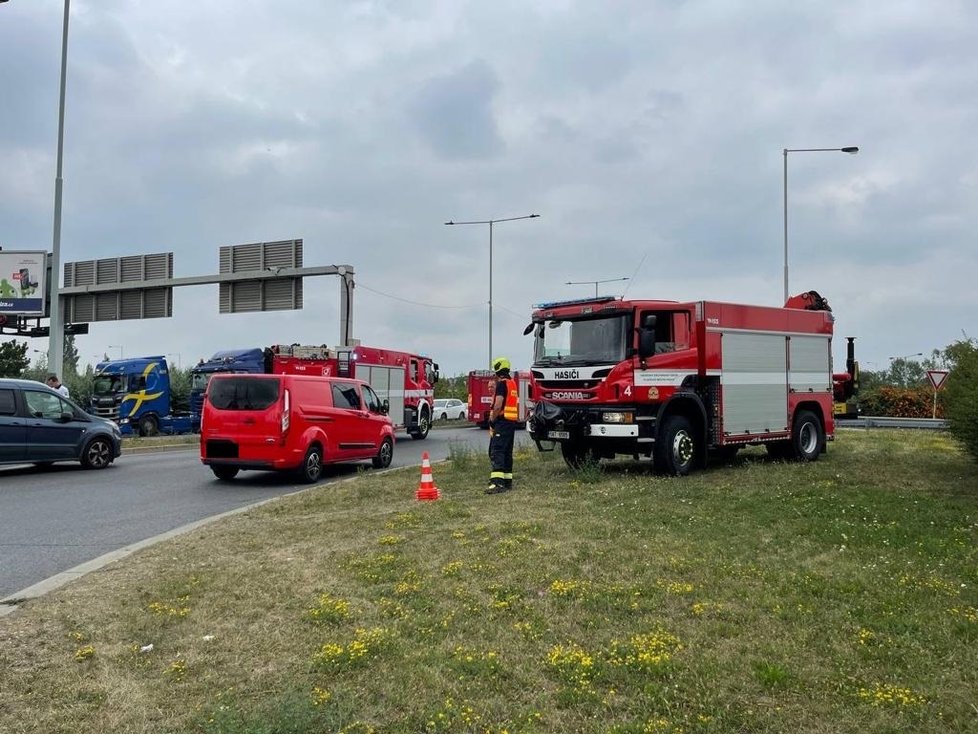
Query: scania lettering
{"points": [[677, 382]]}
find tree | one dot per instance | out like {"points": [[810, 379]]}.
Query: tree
{"points": [[70, 359], [13, 358], [961, 393]]}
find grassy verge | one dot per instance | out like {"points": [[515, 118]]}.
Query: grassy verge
{"points": [[754, 597]]}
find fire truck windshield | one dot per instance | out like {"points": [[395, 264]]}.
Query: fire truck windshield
{"points": [[590, 341]]}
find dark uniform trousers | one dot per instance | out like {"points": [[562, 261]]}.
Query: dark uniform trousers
{"points": [[501, 453]]}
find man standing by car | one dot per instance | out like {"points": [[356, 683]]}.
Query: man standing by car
{"points": [[55, 384], [502, 427]]}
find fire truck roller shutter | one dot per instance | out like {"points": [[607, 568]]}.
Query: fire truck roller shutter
{"points": [[754, 377], [811, 364]]}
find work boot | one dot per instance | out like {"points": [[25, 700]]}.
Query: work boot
{"points": [[495, 489]]}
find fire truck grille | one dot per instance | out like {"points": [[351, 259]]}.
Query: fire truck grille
{"points": [[568, 384]]}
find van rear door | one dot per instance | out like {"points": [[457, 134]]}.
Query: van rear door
{"points": [[246, 409]]}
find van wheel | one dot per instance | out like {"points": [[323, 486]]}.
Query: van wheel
{"points": [[424, 425], [385, 455], [225, 473], [675, 449], [148, 426], [97, 455], [312, 465], [806, 437]]}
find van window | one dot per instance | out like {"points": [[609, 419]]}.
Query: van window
{"points": [[8, 405], [44, 404], [345, 396], [243, 393], [371, 399]]}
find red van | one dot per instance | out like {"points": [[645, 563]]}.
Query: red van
{"points": [[292, 422]]}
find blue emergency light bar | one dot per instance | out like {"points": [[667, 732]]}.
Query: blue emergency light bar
{"points": [[557, 304]]}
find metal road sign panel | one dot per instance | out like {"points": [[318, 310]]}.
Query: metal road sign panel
{"points": [[22, 282], [131, 300], [937, 378], [281, 294]]}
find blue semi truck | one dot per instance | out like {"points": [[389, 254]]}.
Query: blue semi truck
{"points": [[135, 393]]}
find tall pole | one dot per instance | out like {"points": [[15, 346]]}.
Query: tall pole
{"points": [[851, 149], [491, 222], [56, 333], [785, 226]]}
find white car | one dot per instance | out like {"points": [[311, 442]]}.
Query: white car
{"points": [[449, 410]]}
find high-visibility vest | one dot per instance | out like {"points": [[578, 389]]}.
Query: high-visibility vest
{"points": [[511, 408]]}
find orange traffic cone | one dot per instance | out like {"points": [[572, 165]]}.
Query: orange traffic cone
{"points": [[426, 489]]}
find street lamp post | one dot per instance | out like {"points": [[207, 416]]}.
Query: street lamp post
{"points": [[56, 333], [491, 222], [56, 327], [851, 149], [586, 282]]}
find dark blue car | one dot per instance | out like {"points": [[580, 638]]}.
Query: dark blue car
{"points": [[39, 426]]}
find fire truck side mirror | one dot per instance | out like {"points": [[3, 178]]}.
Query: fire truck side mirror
{"points": [[646, 337]]}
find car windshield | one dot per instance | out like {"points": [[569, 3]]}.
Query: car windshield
{"points": [[591, 341], [441, 403], [243, 393]]}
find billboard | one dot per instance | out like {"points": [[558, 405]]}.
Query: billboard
{"points": [[22, 282]]}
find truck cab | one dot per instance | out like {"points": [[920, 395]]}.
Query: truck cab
{"points": [[135, 393]]}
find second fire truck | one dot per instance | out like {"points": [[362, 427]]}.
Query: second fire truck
{"points": [[482, 390], [675, 382]]}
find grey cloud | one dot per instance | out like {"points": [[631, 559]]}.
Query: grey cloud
{"points": [[453, 113]]}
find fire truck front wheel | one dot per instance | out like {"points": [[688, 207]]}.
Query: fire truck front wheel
{"points": [[578, 454], [675, 449], [424, 425], [806, 436]]}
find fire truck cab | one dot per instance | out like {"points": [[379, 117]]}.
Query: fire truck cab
{"points": [[675, 381]]}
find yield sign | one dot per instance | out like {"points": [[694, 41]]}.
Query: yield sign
{"points": [[937, 378]]}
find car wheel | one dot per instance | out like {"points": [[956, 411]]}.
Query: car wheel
{"points": [[461, 416], [675, 450], [444, 416], [385, 455], [225, 473], [148, 426], [312, 465], [97, 454]]}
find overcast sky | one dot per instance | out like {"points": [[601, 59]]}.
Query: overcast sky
{"points": [[647, 135]]}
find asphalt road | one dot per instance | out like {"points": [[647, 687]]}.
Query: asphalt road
{"points": [[54, 520]]}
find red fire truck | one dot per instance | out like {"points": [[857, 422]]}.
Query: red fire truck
{"points": [[482, 388], [406, 381], [676, 382]]}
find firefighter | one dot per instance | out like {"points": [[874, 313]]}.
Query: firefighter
{"points": [[502, 428]]}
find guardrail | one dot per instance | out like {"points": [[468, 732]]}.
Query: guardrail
{"points": [[879, 421]]}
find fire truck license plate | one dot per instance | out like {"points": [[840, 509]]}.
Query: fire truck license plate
{"points": [[559, 434]]}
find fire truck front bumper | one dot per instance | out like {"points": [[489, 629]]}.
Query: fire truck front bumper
{"points": [[563, 423]]}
